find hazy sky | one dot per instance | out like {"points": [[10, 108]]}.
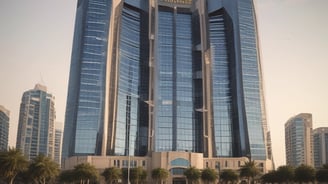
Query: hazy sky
{"points": [[36, 41]]}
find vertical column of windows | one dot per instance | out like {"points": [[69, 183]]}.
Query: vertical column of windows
{"points": [[184, 87], [129, 81], [299, 147], [251, 78], [317, 149], [164, 113], [221, 87], [296, 142], [92, 78], [174, 108], [43, 124], [35, 102]]}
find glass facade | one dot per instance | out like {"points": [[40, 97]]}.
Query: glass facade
{"points": [[251, 79], [129, 82], [298, 144], [164, 116], [222, 99], [238, 104], [93, 64], [179, 78], [174, 128], [131, 124], [85, 101], [317, 150]]}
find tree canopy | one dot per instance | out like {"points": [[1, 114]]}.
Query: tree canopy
{"points": [[67, 176], [136, 175], [285, 174], [159, 174], [85, 172], [270, 177], [209, 175], [228, 175], [304, 173], [43, 169], [249, 170], [11, 163], [322, 174], [112, 174], [192, 174]]}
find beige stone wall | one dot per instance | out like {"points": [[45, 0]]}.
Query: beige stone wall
{"points": [[163, 160]]}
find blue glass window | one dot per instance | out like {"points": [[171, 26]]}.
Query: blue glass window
{"points": [[129, 82], [93, 59], [251, 79], [180, 162], [222, 113], [174, 106]]}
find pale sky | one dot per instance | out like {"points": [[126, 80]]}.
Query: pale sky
{"points": [[36, 41]]}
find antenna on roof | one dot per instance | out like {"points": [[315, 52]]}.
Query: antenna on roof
{"points": [[41, 80]]}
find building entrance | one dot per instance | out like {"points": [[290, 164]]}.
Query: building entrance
{"points": [[179, 181]]}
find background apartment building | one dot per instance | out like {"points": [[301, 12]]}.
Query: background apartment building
{"points": [[299, 140], [36, 133], [4, 128], [320, 146]]}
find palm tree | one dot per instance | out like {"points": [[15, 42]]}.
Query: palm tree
{"points": [[11, 163], [67, 176], [209, 175], [192, 174], [143, 176], [285, 173], [159, 174], [228, 175], [304, 173], [112, 174], [138, 175], [85, 173], [270, 177], [249, 170], [43, 169], [322, 174]]}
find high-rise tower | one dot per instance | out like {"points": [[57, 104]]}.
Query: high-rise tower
{"points": [[84, 120], [299, 140], [155, 76], [36, 133], [320, 147], [4, 128]]}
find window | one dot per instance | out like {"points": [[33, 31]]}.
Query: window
{"points": [[180, 162]]}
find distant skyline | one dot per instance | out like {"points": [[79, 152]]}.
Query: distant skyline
{"points": [[36, 41]]}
